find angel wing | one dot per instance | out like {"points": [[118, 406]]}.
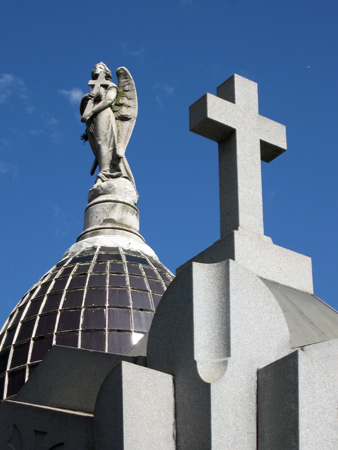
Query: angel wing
{"points": [[125, 108]]}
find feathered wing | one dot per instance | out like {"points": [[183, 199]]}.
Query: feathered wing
{"points": [[125, 109]]}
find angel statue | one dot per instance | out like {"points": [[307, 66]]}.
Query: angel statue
{"points": [[110, 112]]}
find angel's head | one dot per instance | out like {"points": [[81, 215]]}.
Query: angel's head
{"points": [[99, 68]]}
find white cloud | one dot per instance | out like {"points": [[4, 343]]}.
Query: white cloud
{"points": [[11, 84], [48, 124], [4, 143], [159, 102], [169, 90], [163, 91], [30, 109], [35, 132], [74, 95], [8, 169], [49, 120], [138, 53], [61, 221]]}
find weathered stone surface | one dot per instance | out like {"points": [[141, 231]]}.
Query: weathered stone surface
{"points": [[69, 378], [26, 427], [104, 215], [128, 243], [135, 410], [110, 112], [112, 210], [120, 189], [108, 212]]}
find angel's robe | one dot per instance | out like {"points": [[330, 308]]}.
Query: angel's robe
{"points": [[102, 133]]}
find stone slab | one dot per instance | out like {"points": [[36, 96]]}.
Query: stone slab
{"points": [[214, 327], [309, 319], [263, 258], [26, 427], [278, 407], [297, 405], [171, 350], [258, 335], [70, 378], [135, 410]]}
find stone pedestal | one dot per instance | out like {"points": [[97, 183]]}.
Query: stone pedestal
{"points": [[112, 210], [135, 410]]}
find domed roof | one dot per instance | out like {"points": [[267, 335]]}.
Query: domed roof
{"points": [[103, 294], [100, 298]]}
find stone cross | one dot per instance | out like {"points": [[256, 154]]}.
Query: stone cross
{"points": [[244, 138], [100, 81]]}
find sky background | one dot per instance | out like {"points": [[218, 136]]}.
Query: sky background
{"points": [[176, 51]]}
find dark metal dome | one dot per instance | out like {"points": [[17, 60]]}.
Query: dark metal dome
{"points": [[100, 298]]}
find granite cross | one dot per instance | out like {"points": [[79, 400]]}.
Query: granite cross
{"points": [[244, 138]]}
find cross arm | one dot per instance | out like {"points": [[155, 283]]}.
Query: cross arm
{"points": [[104, 83], [208, 117], [272, 137]]}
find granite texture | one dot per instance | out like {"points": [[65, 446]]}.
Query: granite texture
{"points": [[135, 410], [297, 405], [244, 137], [326, 354], [171, 350], [252, 333], [263, 258]]}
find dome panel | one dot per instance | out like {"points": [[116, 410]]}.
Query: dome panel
{"points": [[101, 298]]}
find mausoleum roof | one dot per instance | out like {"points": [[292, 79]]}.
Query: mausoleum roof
{"points": [[104, 292], [309, 319], [97, 297]]}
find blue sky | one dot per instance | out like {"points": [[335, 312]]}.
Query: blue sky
{"points": [[176, 51]]}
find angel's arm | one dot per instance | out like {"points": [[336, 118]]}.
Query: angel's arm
{"points": [[84, 102], [104, 104]]}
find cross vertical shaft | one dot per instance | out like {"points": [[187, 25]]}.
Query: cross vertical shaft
{"points": [[244, 138]]}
